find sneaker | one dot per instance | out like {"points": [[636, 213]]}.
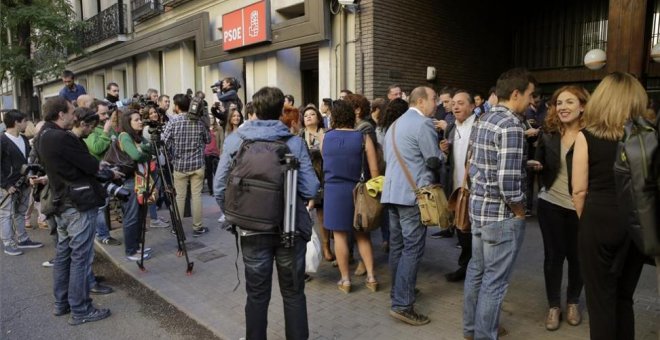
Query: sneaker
{"points": [[61, 311], [528, 213], [158, 224], [48, 264], [94, 315], [100, 289], [221, 219], [30, 244], [199, 232], [137, 256], [447, 233], [12, 249], [146, 250], [110, 241], [163, 219], [410, 317]]}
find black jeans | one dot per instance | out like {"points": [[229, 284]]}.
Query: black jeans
{"points": [[259, 251], [559, 228], [211, 163], [465, 241]]}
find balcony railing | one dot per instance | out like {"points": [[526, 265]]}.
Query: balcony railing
{"points": [[145, 9], [173, 3], [110, 23]]}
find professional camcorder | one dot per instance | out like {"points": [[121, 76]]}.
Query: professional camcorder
{"points": [[196, 110]]}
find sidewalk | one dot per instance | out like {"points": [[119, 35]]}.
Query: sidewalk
{"points": [[208, 297]]}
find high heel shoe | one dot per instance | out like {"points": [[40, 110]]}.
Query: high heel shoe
{"points": [[344, 286], [371, 284]]}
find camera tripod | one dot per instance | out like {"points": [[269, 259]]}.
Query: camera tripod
{"points": [[170, 194]]}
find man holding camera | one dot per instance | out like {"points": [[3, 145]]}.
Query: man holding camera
{"points": [[71, 171], [186, 137], [14, 189]]}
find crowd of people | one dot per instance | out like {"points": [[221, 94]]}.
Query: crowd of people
{"points": [[500, 146]]}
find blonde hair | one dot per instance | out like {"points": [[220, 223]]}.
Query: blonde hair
{"points": [[618, 97], [552, 122]]}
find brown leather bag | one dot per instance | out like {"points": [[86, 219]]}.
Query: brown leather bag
{"points": [[366, 215], [459, 202]]}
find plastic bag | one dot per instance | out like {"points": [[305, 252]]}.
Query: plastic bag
{"points": [[313, 255]]}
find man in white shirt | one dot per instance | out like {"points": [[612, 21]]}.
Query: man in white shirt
{"points": [[455, 146], [14, 190]]}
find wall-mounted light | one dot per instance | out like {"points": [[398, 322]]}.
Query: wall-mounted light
{"points": [[655, 53], [595, 59], [349, 5]]}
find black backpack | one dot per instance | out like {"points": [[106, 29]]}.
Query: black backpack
{"points": [[636, 171], [254, 196]]}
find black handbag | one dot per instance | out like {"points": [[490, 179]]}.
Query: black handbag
{"points": [[120, 159]]}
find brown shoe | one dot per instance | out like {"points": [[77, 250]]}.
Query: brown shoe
{"points": [[552, 319], [573, 316], [371, 284], [344, 286]]}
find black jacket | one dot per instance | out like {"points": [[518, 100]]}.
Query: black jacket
{"points": [[548, 152], [66, 161], [11, 161]]}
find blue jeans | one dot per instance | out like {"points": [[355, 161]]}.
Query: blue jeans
{"points": [[102, 229], [259, 251], [75, 242], [385, 224], [12, 212], [131, 219], [407, 242], [495, 247]]}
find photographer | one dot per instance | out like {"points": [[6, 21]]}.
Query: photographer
{"points": [[98, 142], [187, 137], [14, 191], [227, 92], [71, 171]]}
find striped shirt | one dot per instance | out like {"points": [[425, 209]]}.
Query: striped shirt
{"points": [[186, 139], [497, 170]]}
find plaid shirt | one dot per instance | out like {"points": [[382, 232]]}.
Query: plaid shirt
{"points": [[497, 170], [186, 139]]}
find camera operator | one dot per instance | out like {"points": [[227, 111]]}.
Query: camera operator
{"points": [[112, 94], [187, 137], [227, 93], [14, 191], [71, 171]]}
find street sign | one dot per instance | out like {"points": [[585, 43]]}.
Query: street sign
{"points": [[246, 26]]}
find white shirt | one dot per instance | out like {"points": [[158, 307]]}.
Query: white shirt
{"points": [[418, 111], [459, 148], [20, 143]]}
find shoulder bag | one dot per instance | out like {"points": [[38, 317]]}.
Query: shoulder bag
{"points": [[431, 199], [459, 202], [366, 215], [120, 159]]}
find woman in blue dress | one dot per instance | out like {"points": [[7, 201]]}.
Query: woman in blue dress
{"points": [[342, 151]]}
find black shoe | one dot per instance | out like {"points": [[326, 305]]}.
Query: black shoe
{"points": [[61, 311], [447, 233], [99, 278], [410, 317], [94, 315], [456, 276], [201, 231], [308, 278], [100, 289]]}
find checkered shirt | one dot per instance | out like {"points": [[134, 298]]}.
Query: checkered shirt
{"points": [[186, 140]]}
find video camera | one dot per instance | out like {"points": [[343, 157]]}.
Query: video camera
{"points": [[197, 108]]}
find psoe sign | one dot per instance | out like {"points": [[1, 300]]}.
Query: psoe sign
{"points": [[246, 26]]}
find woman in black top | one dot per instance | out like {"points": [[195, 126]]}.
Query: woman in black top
{"points": [[610, 263], [556, 212]]}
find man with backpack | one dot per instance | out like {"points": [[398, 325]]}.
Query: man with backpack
{"points": [[249, 188]]}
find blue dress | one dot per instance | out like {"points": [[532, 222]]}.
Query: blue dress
{"points": [[342, 163]]}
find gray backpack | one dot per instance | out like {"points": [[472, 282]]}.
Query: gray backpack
{"points": [[254, 196]]}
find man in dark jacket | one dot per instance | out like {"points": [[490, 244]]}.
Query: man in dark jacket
{"points": [[14, 190], [71, 170]]}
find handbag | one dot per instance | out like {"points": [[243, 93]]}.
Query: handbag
{"points": [[120, 159], [366, 215], [459, 201], [431, 199], [313, 254]]}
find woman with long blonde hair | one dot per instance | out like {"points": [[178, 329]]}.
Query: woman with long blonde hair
{"points": [[609, 262], [556, 212]]}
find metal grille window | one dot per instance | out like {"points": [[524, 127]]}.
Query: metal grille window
{"points": [[561, 33]]}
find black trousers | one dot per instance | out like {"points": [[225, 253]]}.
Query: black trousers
{"points": [[559, 228], [611, 265], [465, 241], [211, 163]]}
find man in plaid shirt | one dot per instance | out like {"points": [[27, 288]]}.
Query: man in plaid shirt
{"points": [[497, 204], [186, 138]]}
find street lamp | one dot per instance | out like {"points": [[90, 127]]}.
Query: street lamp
{"points": [[595, 59]]}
